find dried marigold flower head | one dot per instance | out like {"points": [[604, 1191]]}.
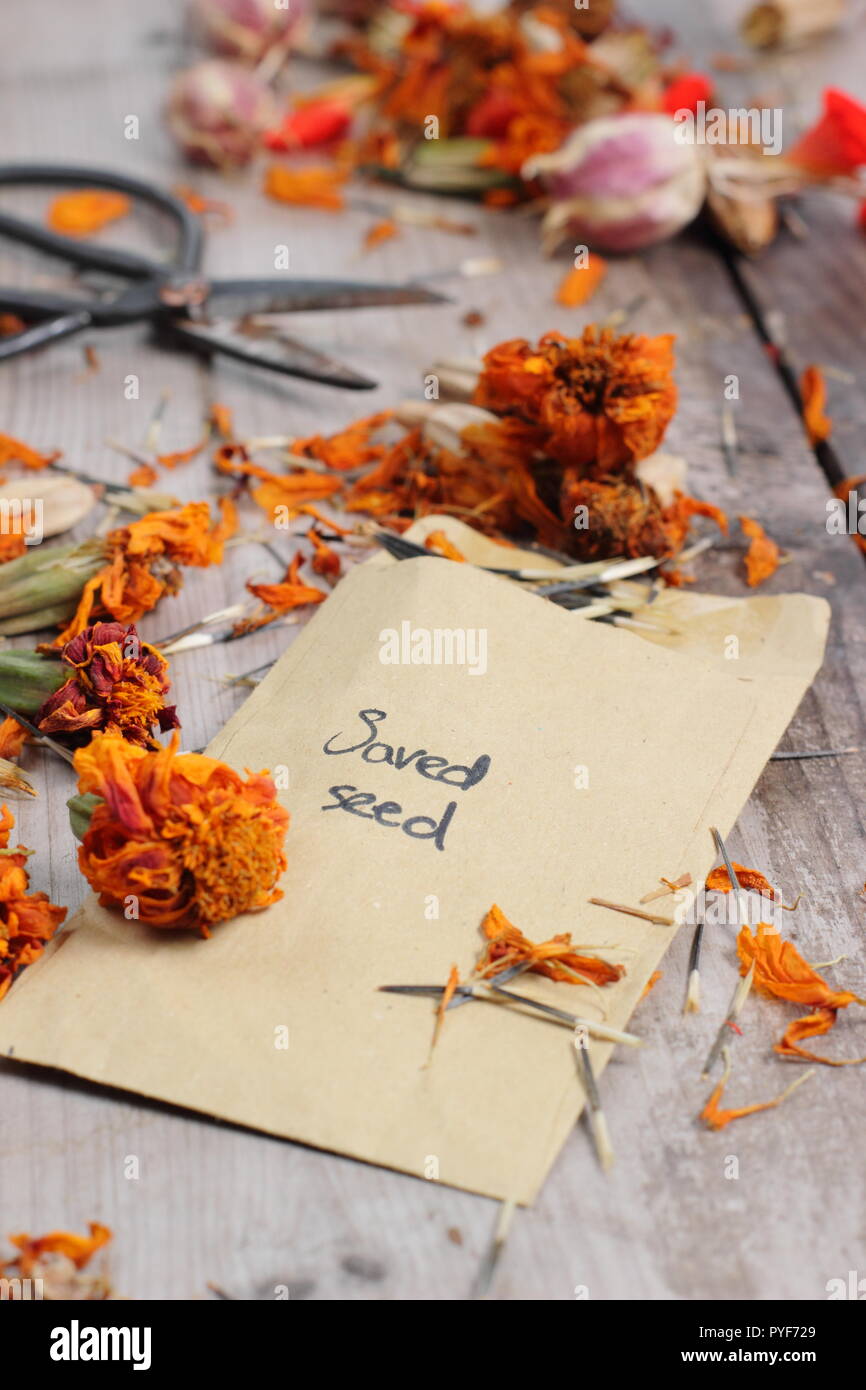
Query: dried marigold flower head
{"points": [[118, 685], [27, 920], [184, 834], [600, 402], [616, 517], [143, 559]]}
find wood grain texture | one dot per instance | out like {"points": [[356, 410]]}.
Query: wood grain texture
{"points": [[214, 1203]]}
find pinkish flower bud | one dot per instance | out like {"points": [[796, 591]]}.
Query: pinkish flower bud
{"points": [[620, 183], [246, 29], [217, 112]]}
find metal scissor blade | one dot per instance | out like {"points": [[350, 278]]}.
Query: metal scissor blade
{"points": [[240, 297], [462, 994], [265, 345], [47, 331]]}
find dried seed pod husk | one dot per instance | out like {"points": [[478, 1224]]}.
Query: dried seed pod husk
{"points": [[749, 224], [783, 23], [64, 501]]}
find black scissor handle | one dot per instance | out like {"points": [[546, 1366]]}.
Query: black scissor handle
{"points": [[187, 252]]}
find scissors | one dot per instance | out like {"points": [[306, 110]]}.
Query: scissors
{"points": [[173, 294]]}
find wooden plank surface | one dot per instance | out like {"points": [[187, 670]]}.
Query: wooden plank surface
{"points": [[213, 1203]]}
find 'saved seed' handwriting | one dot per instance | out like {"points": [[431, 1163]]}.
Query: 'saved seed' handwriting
{"points": [[431, 766]]}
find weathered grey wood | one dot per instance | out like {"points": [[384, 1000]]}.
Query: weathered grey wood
{"points": [[248, 1212]]}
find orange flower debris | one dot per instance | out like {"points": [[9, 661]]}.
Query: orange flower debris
{"points": [[143, 476], [204, 207], [379, 232], [438, 542], [447, 995], [12, 739], [315, 186], [782, 973], [184, 834], [12, 542], [813, 393], [27, 920], [650, 984], [86, 210], [56, 1260], [143, 560], [349, 448], [289, 491], [581, 282], [325, 561], [718, 880], [762, 557], [291, 592], [715, 1117], [486, 78], [569, 419], [556, 958], [14, 451]]}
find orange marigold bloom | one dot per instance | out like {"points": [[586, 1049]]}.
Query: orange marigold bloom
{"points": [[782, 973], [27, 920], [118, 685], [613, 516], [142, 562], [602, 402], [556, 958], [184, 834]]}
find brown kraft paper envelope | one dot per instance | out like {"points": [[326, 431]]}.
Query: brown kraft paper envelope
{"points": [[670, 742]]}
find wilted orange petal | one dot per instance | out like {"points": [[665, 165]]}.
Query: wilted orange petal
{"points": [[581, 283], [438, 542], [86, 211], [813, 394], [762, 557], [750, 880], [316, 186]]}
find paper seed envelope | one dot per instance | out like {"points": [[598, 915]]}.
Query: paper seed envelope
{"points": [[450, 741]]}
